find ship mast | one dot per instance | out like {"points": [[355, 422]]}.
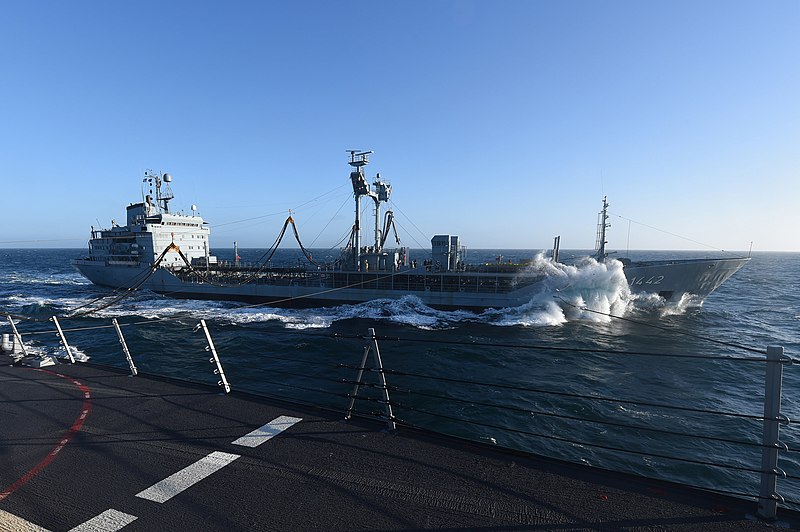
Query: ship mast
{"points": [[602, 225], [380, 192], [358, 160], [163, 189]]}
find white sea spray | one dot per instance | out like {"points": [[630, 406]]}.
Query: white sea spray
{"points": [[587, 290]]}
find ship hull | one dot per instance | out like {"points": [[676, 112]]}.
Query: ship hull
{"points": [[669, 279], [322, 292], [672, 279]]}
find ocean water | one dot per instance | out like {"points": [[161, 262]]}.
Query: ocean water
{"points": [[558, 376]]}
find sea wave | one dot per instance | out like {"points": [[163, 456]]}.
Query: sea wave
{"points": [[59, 279], [36, 349]]}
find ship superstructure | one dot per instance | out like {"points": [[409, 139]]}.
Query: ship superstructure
{"points": [[120, 253]]}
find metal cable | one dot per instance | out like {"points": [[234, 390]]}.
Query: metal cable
{"points": [[379, 415], [304, 376], [365, 398], [576, 418], [574, 350], [300, 360], [329, 223], [368, 384], [282, 211], [574, 395], [298, 387], [424, 235], [576, 442], [130, 290], [132, 280], [401, 422], [120, 295], [669, 233]]}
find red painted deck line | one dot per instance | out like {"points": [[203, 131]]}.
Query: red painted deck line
{"points": [[76, 426]]}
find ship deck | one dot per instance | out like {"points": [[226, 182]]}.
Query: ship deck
{"points": [[91, 448]]}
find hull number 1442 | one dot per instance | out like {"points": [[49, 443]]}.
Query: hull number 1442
{"points": [[655, 279]]}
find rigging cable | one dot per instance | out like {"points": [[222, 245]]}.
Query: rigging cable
{"points": [[121, 293], [329, 221], [130, 290], [420, 246], [395, 206], [279, 212], [667, 232]]}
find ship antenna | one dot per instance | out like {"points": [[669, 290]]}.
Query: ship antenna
{"points": [[602, 225], [165, 191]]}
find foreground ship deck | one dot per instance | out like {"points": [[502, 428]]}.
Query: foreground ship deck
{"points": [[88, 448]]}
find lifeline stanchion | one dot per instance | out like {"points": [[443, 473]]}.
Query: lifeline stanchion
{"points": [[768, 495], [17, 335], [63, 340], [372, 347], [134, 371], [214, 359]]}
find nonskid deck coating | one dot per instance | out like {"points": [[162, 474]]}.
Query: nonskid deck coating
{"points": [[319, 473]]}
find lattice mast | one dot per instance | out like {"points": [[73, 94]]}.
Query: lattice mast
{"points": [[602, 225]]}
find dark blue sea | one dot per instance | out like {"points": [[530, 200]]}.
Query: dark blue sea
{"points": [[557, 377]]}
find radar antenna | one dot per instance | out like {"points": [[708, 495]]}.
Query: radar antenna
{"points": [[359, 158]]}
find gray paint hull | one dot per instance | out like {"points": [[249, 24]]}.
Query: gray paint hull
{"points": [[166, 283], [672, 279], [669, 279]]}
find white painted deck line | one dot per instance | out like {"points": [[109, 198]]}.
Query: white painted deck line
{"points": [[12, 523], [186, 477], [108, 521], [262, 434]]}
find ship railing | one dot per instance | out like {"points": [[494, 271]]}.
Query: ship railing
{"points": [[443, 407], [594, 414], [409, 282]]}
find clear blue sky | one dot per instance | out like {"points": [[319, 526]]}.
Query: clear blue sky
{"points": [[502, 122]]}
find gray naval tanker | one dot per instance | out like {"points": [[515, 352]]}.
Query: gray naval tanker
{"points": [[169, 253]]}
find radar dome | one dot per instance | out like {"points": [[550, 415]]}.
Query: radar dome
{"points": [[167, 178]]}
